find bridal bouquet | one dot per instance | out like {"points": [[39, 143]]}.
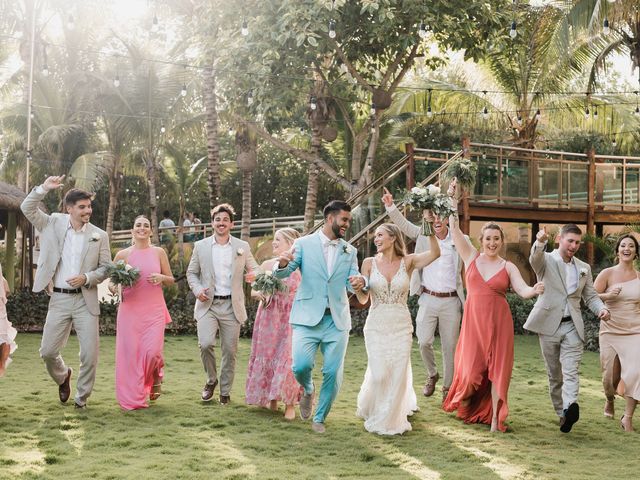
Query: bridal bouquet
{"points": [[122, 274], [429, 198], [266, 283], [465, 171]]}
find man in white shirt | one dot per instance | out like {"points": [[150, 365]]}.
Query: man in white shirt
{"points": [[74, 256], [441, 296], [557, 319], [215, 275]]}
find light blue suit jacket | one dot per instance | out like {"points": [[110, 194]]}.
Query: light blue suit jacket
{"points": [[317, 288]]}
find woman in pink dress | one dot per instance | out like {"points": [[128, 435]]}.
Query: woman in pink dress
{"points": [[7, 332], [484, 355], [270, 379], [142, 316]]}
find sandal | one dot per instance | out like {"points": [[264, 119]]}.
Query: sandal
{"points": [[156, 391]]}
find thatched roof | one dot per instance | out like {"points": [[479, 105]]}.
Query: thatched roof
{"points": [[10, 197]]}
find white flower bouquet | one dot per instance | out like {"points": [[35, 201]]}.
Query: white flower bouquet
{"points": [[429, 198]]}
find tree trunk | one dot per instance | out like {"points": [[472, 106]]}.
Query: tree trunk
{"points": [[115, 184], [245, 230], [153, 201], [213, 147], [313, 183]]}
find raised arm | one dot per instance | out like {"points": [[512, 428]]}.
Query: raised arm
{"points": [[409, 229], [520, 286], [29, 206], [464, 248], [421, 260], [288, 262], [536, 258]]}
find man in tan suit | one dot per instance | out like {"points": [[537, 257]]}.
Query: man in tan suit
{"points": [[557, 319], [215, 276], [74, 255], [441, 296]]}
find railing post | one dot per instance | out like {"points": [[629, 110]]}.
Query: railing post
{"points": [[465, 224], [411, 166], [591, 157]]}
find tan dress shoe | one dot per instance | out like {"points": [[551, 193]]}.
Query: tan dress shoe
{"points": [[430, 386]]}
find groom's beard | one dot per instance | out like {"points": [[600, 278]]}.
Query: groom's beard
{"points": [[335, 228]]}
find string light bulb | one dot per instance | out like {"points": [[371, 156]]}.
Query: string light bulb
{"points": [[116, 81], [595, 112], [605, 27], [429, 111], [230, 132], [183, 90], [587, 113], [513, 31], [373, 124], [519, 119], [332, 29], [422, 30], [250, 98], [244, 30], [373, 109], [45, 67], [485, 113], [162, 128], [154, 24], [313, 102], [71, 24], [538, 115], [637, 111], [613, 142]]}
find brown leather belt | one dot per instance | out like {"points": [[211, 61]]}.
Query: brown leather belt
{"points": [[440, 294], [67, 290]]}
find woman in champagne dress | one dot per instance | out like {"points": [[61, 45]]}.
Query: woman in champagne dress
{"points": [[270, 379], [619, 288], [387, 397], [484, 354], [142, 316], [7, 332]]}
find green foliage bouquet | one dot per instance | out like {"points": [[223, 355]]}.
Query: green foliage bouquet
{"points": [[266, 283], [121, 273], [429, 198], [465, 171]]}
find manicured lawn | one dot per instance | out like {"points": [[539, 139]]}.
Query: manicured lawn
{"points": [[180, 438]]}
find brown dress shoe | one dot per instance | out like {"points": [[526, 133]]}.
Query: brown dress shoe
{"points": [[225, 399], [430, 386], [207, 392], [64, 389]]}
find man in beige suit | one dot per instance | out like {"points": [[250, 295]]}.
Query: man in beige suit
{"points": [[74, 255], [557, 319], [215, 276], [441, 296]]}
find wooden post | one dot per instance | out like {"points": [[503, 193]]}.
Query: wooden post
{"points": [[465, 224], [411, 166], [10, 253], [591, 184]]}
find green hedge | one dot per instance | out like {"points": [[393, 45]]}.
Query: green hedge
{"points": [[27, 312]]}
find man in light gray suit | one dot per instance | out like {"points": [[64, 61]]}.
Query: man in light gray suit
{"points": [[441, 295], [74, 255], [557, 319], [215, 275]]}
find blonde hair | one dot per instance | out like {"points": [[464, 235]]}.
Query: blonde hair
{"points": [[289, 234], [392, 230], [491, 226]]}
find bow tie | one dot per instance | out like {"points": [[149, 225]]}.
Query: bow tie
{"points": [[333, 243]]}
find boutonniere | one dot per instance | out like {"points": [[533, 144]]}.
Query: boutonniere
{"points": [[583, 272], [94, 237], [346, 249], [240, 252]]}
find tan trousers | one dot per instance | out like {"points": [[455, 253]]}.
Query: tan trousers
{"points": [[219, 318], [562, 354], [67, 310], [445, 314]]}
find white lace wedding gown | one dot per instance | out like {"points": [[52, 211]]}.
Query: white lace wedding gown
{"points": [[387, 397]]}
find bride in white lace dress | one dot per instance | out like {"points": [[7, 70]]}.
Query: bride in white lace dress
{"points": [[387, 397]]}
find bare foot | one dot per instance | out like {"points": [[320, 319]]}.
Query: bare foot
{"points": [[625, 423], [290, 412], [273, 405], [494, 425]]}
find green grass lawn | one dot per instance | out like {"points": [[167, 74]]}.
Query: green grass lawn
{"points": [[181, 438]]}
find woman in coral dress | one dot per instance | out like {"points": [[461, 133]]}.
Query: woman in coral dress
{"points": [[484, 354], [7, 332], [386, 396], [142, 316], [270, 379], [619, 288]]}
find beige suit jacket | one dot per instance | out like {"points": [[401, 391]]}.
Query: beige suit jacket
{"points": [[422, 245], [200, 275], [96, 255], [548, 310]]}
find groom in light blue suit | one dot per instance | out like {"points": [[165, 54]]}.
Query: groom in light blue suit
{"points": [[320, 315]]}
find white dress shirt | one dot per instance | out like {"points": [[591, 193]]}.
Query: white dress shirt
{"points": [[571, 277], [441, 274], [329, 249], [71, 259], [222, 255]]}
